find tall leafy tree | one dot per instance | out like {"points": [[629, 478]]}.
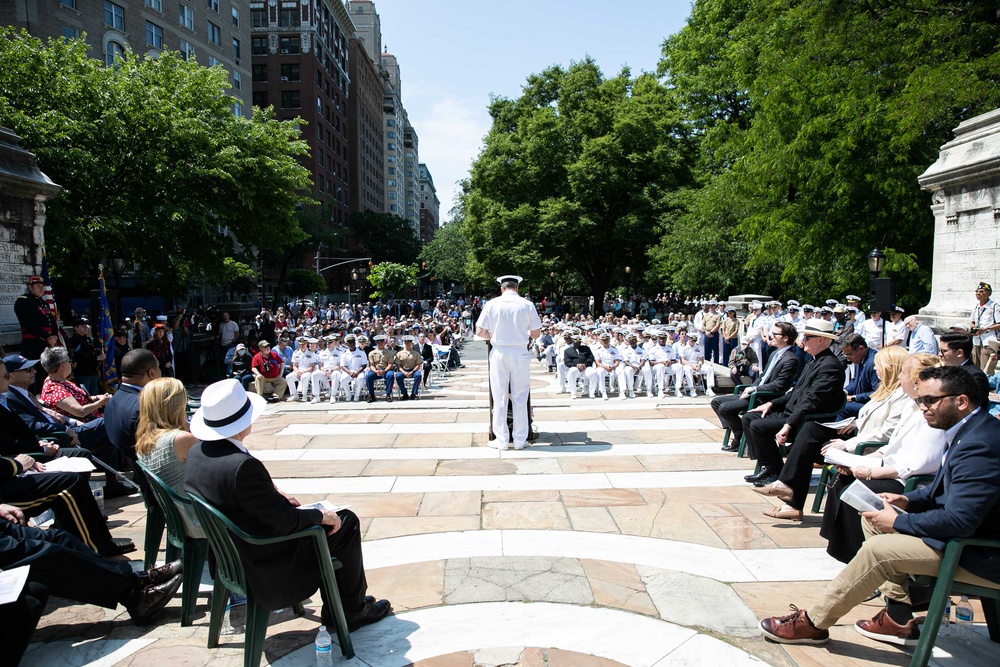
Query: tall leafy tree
{"points": [[574, 175], [385, 237], [155, 166]]}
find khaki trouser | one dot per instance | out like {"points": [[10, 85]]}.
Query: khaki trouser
{"points": [[280, 385], [981, 355], [883, 563]]}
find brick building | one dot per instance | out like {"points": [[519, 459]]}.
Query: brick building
{"points": [[365, 151], [430, 205]]}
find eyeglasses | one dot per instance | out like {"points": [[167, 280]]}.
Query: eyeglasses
{"points": [[930, 401]]}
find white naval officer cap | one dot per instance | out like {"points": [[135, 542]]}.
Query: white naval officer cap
{"points": [[378, 338], [517, 279]]}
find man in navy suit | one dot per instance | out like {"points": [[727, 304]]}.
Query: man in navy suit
{"points": [[962, 501], [864, 381], [121, 414]]}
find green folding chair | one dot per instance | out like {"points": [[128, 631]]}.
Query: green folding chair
{"points": [[229, 576], [824, 476], [815, 417], [156, 521], [944, 586], [193, 550]]}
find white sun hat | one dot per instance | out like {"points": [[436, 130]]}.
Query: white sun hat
{"points": [[226, 410]]}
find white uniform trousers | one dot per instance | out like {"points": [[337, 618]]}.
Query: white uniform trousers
{"points": [[352, 393], [597, 382], [574, 373], [561, 372], [626, 381], [315, 379], [686, 373], [333, 382], [510, 371], [663, 373], [645, 373]]}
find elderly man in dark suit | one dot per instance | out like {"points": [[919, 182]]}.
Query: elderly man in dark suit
{"points": [[777, 378], [221, 471], [962, 501], [820, 389]]}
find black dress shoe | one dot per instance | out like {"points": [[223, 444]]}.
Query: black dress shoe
{"points": [[117, 547], [151, 599], [372, 612], [155, 576], [771, 479], [765, 472], [118, 490], [370, 399], [404, 397], [731, 448], [388, 399]]}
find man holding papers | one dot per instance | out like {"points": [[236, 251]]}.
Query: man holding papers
{"points": [[962, 501]]}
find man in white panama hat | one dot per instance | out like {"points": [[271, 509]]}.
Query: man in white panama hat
{"points": [[221, 471]]}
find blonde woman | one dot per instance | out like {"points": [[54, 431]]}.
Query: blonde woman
{"points": [[913, 449], [877, 420], [162, 440]]}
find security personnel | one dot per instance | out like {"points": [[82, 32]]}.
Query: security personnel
{"points": [[352, 366], [381, 364], [510, 323], [39, 328], [408, 363]]}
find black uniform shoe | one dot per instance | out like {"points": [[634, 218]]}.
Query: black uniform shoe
{"points": [[388, 399], [765, 472], [372, 612], [771, 479], [117, 547], [731, 448]]}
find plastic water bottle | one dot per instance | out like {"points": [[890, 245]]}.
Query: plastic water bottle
{"points": [[945, 629], [964, 619], [98, 490], [324, 648]]}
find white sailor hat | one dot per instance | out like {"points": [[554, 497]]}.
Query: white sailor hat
{"points": [[730, 309], [826, 309], [793, 306], [350, 336], [899, 309], [631, 336], [516, 279], [568, 334], [756, 305], [775, 302], [852, 297], [792, 302], [704, 302], [378, 338], [407, 339], [357, 330], [713, 302], [604, 335], [161, 318], [312, 340], [663, 333], [577, 338], [655, 322], [807, 308], [670, 328], [831, 302]]}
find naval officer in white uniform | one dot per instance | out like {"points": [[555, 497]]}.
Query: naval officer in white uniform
{"points": [[509, 322]]}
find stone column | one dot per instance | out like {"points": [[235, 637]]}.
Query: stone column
{"points": [[965, 187], [24, 190]]}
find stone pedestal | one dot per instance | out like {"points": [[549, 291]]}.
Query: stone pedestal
{"points": [[965, 187], [23, 192]]}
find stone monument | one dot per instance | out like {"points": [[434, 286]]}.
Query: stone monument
{"points": [[965, 199], [24, 190]]}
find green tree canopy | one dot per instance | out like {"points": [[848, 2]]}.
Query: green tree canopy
{"points": [[391, 279], [385, 237], [574, 176], [448, 255], [155, 166], [302, 282]]}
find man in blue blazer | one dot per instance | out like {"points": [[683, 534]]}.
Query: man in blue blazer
{"points": [[865, 381], [962, 501]]}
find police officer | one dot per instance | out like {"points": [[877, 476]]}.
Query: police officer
{"points": [[39, 328]]}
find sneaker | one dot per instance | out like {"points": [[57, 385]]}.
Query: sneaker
{"points": [[496, 444], [315, 401], [883, 629], [692, 393], [795, 628], [678, 394], [709, 393], [605, 396]]}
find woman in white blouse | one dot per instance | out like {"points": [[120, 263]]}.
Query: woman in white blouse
{"points": [[913, 449]]}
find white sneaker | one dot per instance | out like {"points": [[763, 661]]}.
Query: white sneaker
{"points": [[709, 392], [622, 396], [678, 394], [315, 401], [693, 393], [631, 394], [302, 399], [605, 396], [496, 444], [574, 397], [593, 395]]}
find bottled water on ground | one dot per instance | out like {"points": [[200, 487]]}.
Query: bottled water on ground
{"points": [[945, 620], [964, 620], [98, 490], [324, 648]]}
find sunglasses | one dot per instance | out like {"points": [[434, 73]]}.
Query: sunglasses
{"points": [[930, 401]]}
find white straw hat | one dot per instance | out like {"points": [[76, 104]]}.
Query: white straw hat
{"points": [[226, 409]]}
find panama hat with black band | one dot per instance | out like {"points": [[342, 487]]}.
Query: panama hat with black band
{"points": [[226, 410], [819, 327]]}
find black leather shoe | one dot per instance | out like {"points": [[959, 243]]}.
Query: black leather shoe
{"points": [[117, 547], [372, 612], [771, 479], [404, 397], [155, 576], [764, 473], [151, 599], [731, 448], [388, 399], [118, 490], [370, 399]]}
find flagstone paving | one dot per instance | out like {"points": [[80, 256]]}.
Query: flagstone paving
{"points": [[622, 537]]}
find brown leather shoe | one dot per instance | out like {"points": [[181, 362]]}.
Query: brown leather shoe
{"points": [[796, 628], [883, 629], [152, 599], [155, 576], [784, 512], [776, 489]]}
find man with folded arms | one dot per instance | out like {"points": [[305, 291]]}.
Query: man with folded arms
{"points": [[961, 502]]}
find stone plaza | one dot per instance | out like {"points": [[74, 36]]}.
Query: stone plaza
{"points": [[622, 537]]}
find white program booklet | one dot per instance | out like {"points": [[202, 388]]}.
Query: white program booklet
{"points": [[863, 499], [324, 505], [69, 464], [12, 583], [839, 424]]}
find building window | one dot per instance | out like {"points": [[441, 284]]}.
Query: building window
{"points": [[69, 33], [155, 4], [185, 16], [260, 98], [391, 158], [392, 170], [68, 3], [213, 61], [214, 34], [390, 123], [392, 195], [259, 73], [237, 81], [258, 46], [288, 45], [154, 35], [236, 48], [236, 18], [214, 5], [114, 15], [186, 49], [391, 183], [237, 108], [290, 99], [258, 18], [290, 72], [113, 50], [288, 18]]}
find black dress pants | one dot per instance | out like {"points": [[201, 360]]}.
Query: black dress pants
{"points": [[760, 437], [345, 546], [804, 452], [65, 566], [842, 523], [68, 495], [19, 620], [728, 409]]}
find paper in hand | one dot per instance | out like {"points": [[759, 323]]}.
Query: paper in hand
{"points": [[863, 499], [12, 583], [324, 505]]}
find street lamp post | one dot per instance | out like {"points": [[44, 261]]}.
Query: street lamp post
{"points": [[354, 278], [880, 289], [628, 287]]}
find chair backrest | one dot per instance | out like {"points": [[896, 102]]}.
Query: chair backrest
{"points": [[166, 499], [220, 531]]}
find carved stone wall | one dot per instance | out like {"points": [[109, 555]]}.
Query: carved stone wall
{"points": [[965, 187], [23, 192]]}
